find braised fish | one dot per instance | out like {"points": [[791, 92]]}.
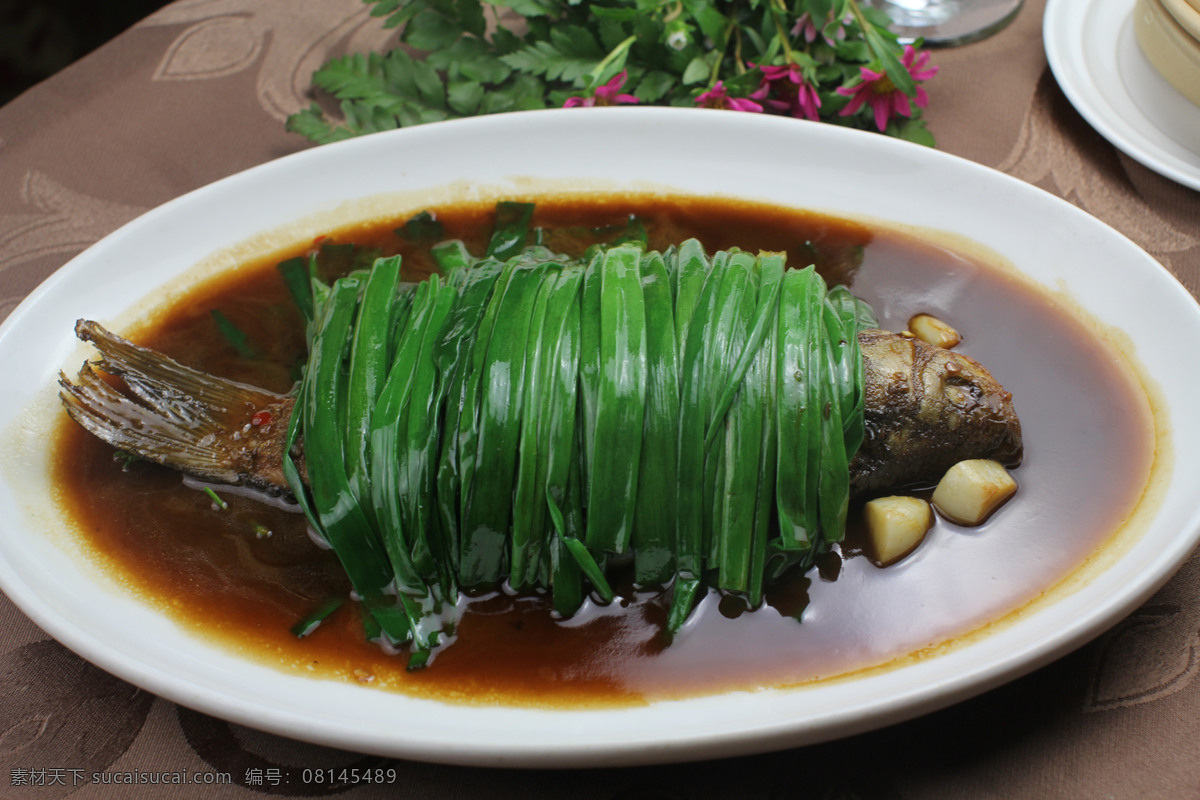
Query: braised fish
{"points": [[523, 419], [926, 409]]}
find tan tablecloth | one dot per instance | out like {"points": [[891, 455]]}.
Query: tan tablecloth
{"points": [[200, 90]]}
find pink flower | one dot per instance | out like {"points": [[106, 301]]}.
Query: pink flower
{"points": [[917, 65], [878, 91], [800, 97], [606, 95], [805, 25], [807, 103], [718, 97], [788, 72]]}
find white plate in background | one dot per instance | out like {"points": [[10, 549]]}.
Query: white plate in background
{"points": [[1094, 55]]}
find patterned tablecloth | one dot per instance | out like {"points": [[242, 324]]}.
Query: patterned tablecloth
{"points": [[200, 90]]}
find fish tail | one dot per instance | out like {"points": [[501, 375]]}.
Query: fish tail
{"points": [[214, 429]]}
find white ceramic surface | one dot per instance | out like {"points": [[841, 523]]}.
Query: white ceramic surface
{"points": [[1094, 55], [798, 164]]}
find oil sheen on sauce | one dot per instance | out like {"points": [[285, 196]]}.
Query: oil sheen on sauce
{"points": [[245, 574]]}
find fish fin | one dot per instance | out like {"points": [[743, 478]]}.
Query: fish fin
{"points": [[165, 412]]}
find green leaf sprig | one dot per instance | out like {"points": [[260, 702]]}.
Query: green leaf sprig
{"points": [[829, 60]]}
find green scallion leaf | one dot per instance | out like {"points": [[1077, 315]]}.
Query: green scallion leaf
{"points": [[216, 498], [311, 621], [620, 401], [234, 335]]}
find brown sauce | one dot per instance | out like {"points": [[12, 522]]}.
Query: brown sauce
{"points": [[1088, 449]]}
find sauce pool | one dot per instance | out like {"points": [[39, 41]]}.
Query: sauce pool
{"points": [[244, 575]]}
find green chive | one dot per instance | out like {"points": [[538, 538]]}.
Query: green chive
{"points": [[234, 335], [557, 420], [311, 621], [487, 515], [216, 499], [654, 524], [791, 411], [620, 401], [370, 358], [689, 525], [341, 519], [511, 229], [297, 277], [474, 287], [529, 524]]}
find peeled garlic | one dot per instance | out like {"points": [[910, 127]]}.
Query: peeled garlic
{"points": [[934, 331], [971, 490], [896, 525]]}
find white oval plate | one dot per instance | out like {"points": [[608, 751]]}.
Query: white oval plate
{"points": [[792, 163], [1095, 57]]}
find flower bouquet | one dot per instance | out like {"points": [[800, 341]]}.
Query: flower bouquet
{"points": [[829, 60]]}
